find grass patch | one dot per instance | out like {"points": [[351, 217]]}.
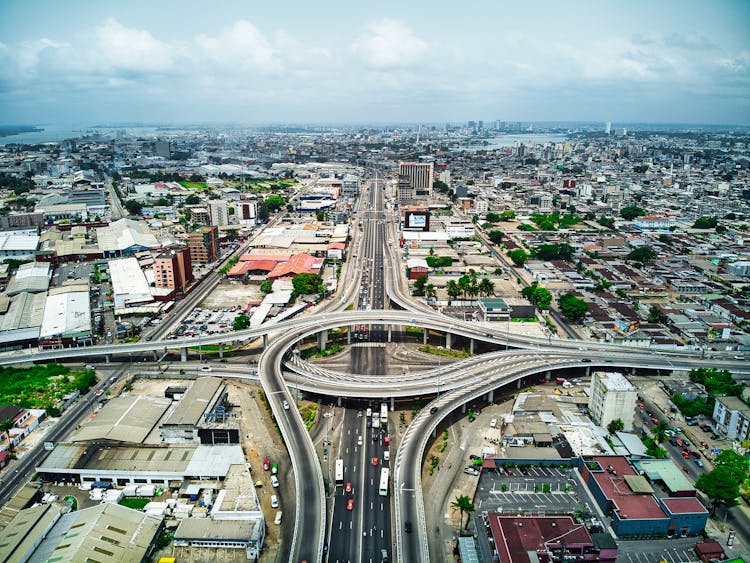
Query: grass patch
{"points": [[329, 351], [210, 348], [41, 387], [448, 352], [308, 414], [413, 330], [193, 185], [524, 320], [136, 503]]}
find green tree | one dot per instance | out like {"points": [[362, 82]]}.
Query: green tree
{"points": [[263, 213], [321, 215], [241, 322], [736, 464], [440, 186], [518, 256], [6, 425], [615, 426], [134, 207], [705, 223], [554, 252], [574, 308], [465, 506], [630, 212], [419, 284], [453, 289], [641, 254], [538, 295], [274, 203], [192, 199], [486, 287], [720, 485], [656, 316], [496, 236], [640, 169], [266, 286], [660, 431], [666, 239], [492, 217], [507, 215], [608, 222], [306, 284]]}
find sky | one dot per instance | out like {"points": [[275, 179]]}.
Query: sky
{"points": [[250, 62]]}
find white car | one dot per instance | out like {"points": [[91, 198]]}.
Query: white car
{"points": [[359, 440], [386, 455], [285, 404], [206, 368], [274, 501], [493, 423], [274, 481]]}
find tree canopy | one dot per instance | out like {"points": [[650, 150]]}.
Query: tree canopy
{"points": [[705, 223], [554, 252], [241, 322], [134, 207], [496, 236], [630, 212], [641, 254], [574, 308], [464, 504], [538, 295], [305, 284], [518, 256]]}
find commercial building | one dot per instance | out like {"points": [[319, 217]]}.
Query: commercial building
{"points": [[125, 237], [108, 532], [246, 212], [612, 397], [420, 177], [547, 539], [67, 317], [218, 211], [732, 418], [20, 245], [129, 285], [494, 309], [173, 270], [204, 245], [205, 397], [127, 419], [21, 318], [32, 277]]}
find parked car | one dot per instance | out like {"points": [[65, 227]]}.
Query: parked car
{"points": [[266, 464], [493, 423], [471, 471], [509, 471], [694, 454], [206, 369], [673, 441], [474, 456], [274, 501], [386, 455], [699, 463], [274, 481]]}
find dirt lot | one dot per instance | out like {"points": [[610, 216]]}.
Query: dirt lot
{"points": [[230, 294]]}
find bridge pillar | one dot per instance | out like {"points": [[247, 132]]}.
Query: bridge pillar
{"points": [[448, 340], [424, 337], [338, 401], [548, 375], [518, 384], [491, 396], [156, 356], [348, 335], [108, 358], [221, 350], [322, 339], [471, 345], [183, 354], [265, 341], [390, 333], [434, 432], [393, 404], [463, 408], [588, 371]]}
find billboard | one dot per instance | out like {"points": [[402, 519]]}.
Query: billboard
{"points": [[418, 220]]}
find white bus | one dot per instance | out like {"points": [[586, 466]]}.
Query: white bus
{"points": [[383, 482], [384, 415], [339, 471]]}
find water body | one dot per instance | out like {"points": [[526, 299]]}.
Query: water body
{"points": [[494, 143], [57, 133]]}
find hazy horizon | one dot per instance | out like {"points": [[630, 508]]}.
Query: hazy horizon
{"points": [[81, 62]]}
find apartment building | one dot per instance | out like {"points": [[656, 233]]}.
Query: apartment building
{"points": [[612, 397], [174, 269], [204, 245], [420, 175], [732, 418]]}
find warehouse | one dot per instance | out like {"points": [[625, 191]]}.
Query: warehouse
{"points": [[124, 419], [67, 317], [129, 284]]}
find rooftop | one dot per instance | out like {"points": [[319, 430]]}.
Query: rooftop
{"points": [[629, 503], [128, 418], [684, 505], [194, 402]]}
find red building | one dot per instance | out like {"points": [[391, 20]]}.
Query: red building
{"points": [[548, 539], [174, 269]]}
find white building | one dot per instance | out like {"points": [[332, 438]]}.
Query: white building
{"points": [[129, 284], [246, 212], [67, 315], [612, 397], [219, 212], [20, 245], [732, 418]]}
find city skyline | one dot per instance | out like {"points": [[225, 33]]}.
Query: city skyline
{"points": [[84, 62]]}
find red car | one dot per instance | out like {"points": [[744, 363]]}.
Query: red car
{"points": [[99, 392], [266, 464], [375, 462], [348, 487], [387, 440], [350, 504]]}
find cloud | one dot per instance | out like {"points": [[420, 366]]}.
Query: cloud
{"points": [[390, 44], [241, 46], [120, 48]]}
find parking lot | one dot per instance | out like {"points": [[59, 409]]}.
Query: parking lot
{"points": [[201, 322], [677, 550], [541, 490]]}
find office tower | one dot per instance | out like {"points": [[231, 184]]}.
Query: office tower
{"points": [[204, 245], [608, 127], [174, 269], [420, 175], [612, 397], [218, 211]]}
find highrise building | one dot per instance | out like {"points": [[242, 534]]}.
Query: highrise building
{"points": [[246, 212], [607, 127], [612, 396], [218, 211], [174, 269], [204, 245], [420, 175]]}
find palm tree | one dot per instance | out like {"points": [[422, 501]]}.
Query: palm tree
{"points": [[464, 504], [453, 289], [430, 291], [660, 431], [486, 287]]}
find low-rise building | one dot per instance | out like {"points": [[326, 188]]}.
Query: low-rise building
{"points": [[612, 397], [732, 418]]}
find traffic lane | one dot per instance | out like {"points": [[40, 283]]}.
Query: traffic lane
{"points": [[376, 520], [342, 531]]}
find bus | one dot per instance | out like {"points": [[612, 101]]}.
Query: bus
{"points": [[384, 482], [339, 471], [384, 414]]}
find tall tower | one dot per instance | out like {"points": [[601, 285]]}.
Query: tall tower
{"points": [[607, 127]]}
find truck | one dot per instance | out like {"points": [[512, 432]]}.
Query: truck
{"points": [[564, 383], [375, 420]]}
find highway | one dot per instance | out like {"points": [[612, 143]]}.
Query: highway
{"points": [[379, 265]]}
